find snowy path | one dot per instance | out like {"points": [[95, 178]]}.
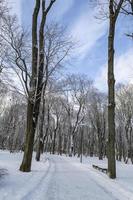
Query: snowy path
{"points": [[71, 181], [63, 178]]}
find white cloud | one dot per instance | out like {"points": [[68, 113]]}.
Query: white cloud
{"points": [[15, 8], [87, 30], [60, 8], [123, 71]]}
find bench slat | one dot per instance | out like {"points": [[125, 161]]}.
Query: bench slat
{"points": [[100, 168]]}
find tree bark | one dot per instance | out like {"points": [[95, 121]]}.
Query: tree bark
{"points": [[36, 83], [40, 138], [111, 95], [113, 15], [31, 126], [30, 132]]}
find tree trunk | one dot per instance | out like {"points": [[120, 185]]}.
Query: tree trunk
{"points": [[53, 149], [81, 144], [30, 132], [40, 138], [100, 149], [36, 83], [111, 96], [31, 126]]}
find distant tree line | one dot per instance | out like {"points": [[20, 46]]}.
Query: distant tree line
{"points": [[71, 106]]}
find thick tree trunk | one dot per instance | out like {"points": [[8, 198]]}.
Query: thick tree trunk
{"points": [[30, 132], [111, 96], [31, 125], [36, 83], [40, 79], [113, 15], [41, 62]]}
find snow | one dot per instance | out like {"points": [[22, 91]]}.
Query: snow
{"points": [[17, 185], [63, 178]]}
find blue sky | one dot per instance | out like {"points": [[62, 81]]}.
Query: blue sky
{"points": [[91, 57]]}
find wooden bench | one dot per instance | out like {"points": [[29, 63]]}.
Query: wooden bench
{"points": [[104, 170]]}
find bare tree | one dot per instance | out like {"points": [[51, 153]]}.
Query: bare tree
{"points": [[12, 121], [114, 10], [96, 116], [124, 113], [16, 52], [57, 51], [76, 89], [36, 82], [3, 11]]}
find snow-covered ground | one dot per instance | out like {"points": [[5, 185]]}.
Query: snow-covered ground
{"points": [[63, 178]]}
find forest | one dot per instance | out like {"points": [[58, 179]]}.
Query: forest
{"points": [[46, 111]]}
